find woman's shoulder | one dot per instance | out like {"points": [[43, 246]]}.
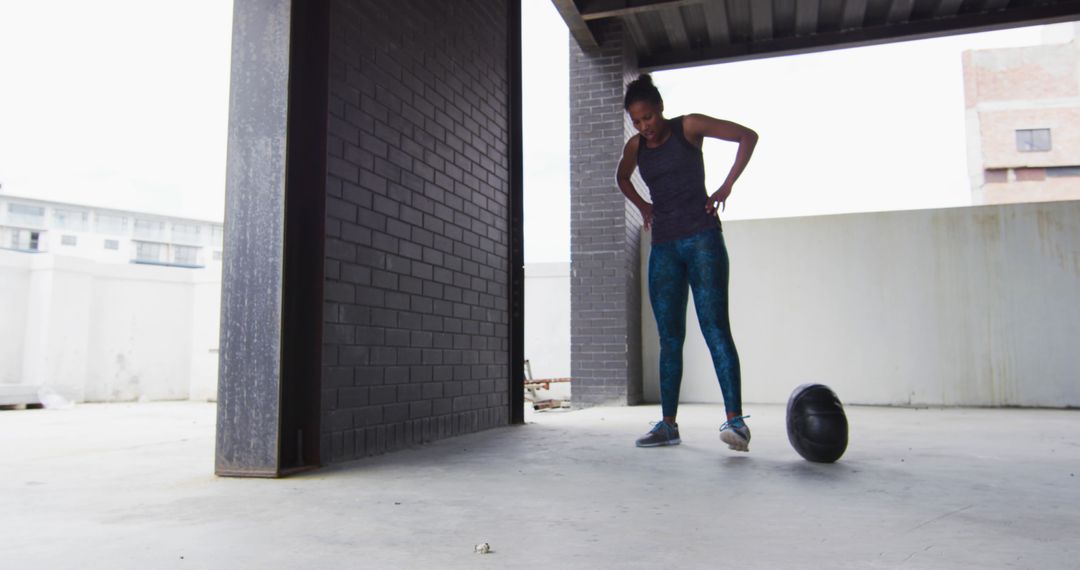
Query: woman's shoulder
{"points": [[698, 117], [695, 120]]}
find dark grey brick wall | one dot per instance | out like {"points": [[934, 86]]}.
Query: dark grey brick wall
{"points": [[416, 335], [605, 338]]}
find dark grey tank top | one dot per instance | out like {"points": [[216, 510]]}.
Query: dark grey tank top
{"points": [[675, 175]]}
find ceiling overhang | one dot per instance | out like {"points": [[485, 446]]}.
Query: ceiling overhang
{"points": [[669, 34]]}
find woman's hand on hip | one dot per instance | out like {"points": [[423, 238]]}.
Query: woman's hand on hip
{"points": [[646, 215], [719, 198]]}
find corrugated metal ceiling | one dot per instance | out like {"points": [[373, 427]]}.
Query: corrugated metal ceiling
{"points": [[679, 33]]}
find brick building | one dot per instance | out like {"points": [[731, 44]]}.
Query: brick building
{"points": [[1023, 106]]}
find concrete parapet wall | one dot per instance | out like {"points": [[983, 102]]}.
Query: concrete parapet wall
{"points": [[971, 306], [101, 332], [547, 319]]}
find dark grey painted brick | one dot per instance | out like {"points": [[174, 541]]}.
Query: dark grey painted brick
{"points": [[417, 223]]}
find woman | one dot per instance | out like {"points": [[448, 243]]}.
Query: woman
{"points": [[687, 247]]}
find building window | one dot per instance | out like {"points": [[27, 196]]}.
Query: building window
{"points": [[185, 255], [24, 215], [1029, 174], [166, 254], [112, 244], [1056, 171], [217, 234], [1033, 140], [996, 175], [66, 219], [20, 239], [68, 240], [149, 252], [110, 224], [185, 233], [150, 229]]}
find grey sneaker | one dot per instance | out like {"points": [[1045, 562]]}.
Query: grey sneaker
{"points": [[662, 433], [736, 434]]}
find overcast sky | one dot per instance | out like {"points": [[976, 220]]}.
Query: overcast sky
{"points": [[96, 109], [120, 103]]}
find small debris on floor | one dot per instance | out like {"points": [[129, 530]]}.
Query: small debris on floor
{"points": [[482, 548], [550, 404]]}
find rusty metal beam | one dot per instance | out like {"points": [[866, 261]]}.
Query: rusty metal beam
{"points": [[269, 385], [577, 25]]}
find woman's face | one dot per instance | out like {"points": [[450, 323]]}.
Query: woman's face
{"points": [[648, 119]]}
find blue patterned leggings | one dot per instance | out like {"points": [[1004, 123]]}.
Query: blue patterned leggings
{"points": [[700, 261]]}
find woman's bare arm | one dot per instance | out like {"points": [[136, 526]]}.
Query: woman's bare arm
{"points": [[622, 177], [697, 127]]}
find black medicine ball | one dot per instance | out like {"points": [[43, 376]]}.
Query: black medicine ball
{"points": [[816, 425]]}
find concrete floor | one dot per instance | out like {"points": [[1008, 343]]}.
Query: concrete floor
{"points": [[131, 486]]}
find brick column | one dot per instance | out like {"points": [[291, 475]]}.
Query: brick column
{"points": [[605, 228]]}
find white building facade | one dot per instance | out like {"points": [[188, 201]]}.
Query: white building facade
{"points": [[107, 235], [101, 305]]}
